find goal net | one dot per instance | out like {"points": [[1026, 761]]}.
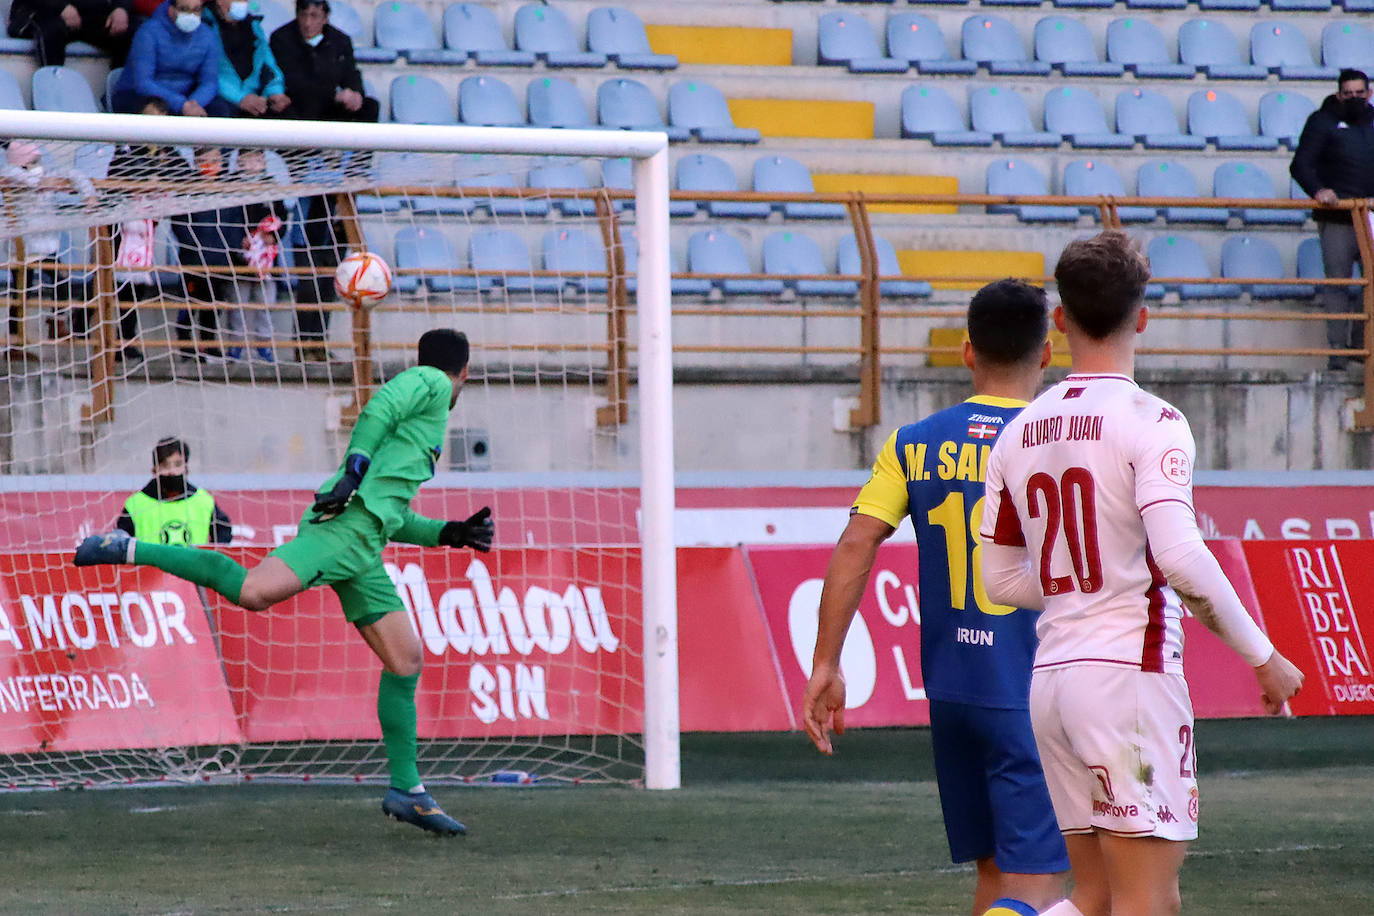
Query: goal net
{"points": [[174, 278]]}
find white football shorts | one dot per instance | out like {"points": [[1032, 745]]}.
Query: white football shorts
{"points": [[1117, 748]]}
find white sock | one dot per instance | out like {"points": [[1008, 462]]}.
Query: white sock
{"points": [[129, 554], [1062, 908], [418, 788]]}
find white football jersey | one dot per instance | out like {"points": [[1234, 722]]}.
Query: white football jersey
{"points": [[1068, 480]]}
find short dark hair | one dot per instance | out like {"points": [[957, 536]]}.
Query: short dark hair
{"points": [[1348, 74], [306, 4], [1008, 321], [168, 446], [1102, 282], [444, 349]]}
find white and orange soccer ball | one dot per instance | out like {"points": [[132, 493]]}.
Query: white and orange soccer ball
{"points": [[363, 278]]}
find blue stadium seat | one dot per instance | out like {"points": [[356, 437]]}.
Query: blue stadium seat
{"points": [[566, 175], [1208, 45], [1139, 46], [417, 99], [574, 252], [388, 169], [346, 19], [1245, 5], [1076, 115], [929, 113], [274, 14], [1180, 256], [504, 206], [847, 40], [790, 252], [503, 250], [849, 262], [918, 40], [1246, 180], [680, 286], [701, 108], [111, 81], [62, 89], [427, 249], [994, 43], [546, 31], [1148, 116], [1091, 178], [1310, 266], [619, 34], [1166, 178], [713, 251], [786, 175], [555, 102], [1249, 257], [1281, 47], [617, 174], [1156, 4], [405, 28], [1282, 114], [93, 159], [1085, 4], [1016, 176], [472, 29], [629, 105], [1064, 43], [1304, 6], [1220, 118], [485, 101], [1002, 113], [704, 172], [1347, 44]]}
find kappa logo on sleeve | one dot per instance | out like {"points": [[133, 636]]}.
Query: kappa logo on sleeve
{"points": [[1168, 413], [1176, 466]]}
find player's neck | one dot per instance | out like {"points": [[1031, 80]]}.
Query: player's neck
{"points": [[1018, 386], [1108, 357]]}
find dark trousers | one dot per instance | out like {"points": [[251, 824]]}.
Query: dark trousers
{"points": [[1340, 254], [51, 36], [326, 109], [324, 239]]}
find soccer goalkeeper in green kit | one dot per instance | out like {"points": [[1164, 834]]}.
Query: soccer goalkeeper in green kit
{"points": [[339, 543]]}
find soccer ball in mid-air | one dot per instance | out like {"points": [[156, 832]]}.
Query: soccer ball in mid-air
{"points": [[363, 278]]}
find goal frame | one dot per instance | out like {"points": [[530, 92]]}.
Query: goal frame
{"points": [[649, 153]]}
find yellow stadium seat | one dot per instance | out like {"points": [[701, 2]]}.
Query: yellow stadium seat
{"points": [[832, 182], [723, 45]]}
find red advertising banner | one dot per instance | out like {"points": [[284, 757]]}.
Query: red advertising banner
{"points": [[1318, 600], [101, 659]]}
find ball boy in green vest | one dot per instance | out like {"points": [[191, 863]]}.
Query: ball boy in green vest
{"points": [[169, 510]]}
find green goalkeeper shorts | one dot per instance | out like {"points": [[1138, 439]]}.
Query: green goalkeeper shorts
{"points": [[344, 553]]}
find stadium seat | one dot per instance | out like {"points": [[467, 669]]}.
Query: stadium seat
{"points": [[111, 80], [405, 28], [1085, 4], [1247, 180], [546, 31], [565, 175], [1149, 117], [574, 252], [1180, 256], [1220, 118], [1347, 44], [346, 19], [11, 96], [790, 252], [1282, 115], [1208, 45], [704, 172], [503, 250], [1281, 48], [629, 105], [680, 286], [1250, 257], [785, 175], [1016, 176], [1156, 4], [555, 102], [1139, 46], [1172, 179], [472, 29], [1091, 178], [917, 40], [617, 174], [1235, 5], [93, 159], [1076, 115], [1310, 266], [847, 40], [1064, 43], [619, 34], [994, 43], [929, 113], [485, 101], [62, 89], [417, 99], [701, 108], [676, 208], [504, 206], [389, 168], [1304, 6], [427, 249], [274, 14], [849, 262], [712, 251], [1002, 113]]}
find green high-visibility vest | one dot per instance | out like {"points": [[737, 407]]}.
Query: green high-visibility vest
{"points": [[183, 521]]}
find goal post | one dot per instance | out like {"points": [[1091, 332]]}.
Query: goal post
{"points": [[325, 157]]}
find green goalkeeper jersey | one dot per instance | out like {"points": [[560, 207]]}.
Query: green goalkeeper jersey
{"points": [[401, 431]]}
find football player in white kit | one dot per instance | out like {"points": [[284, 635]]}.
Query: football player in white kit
{"points": [[1089, 515]]}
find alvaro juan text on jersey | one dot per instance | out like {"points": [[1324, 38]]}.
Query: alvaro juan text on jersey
{"points": [[972, 651], [1068, 480]]}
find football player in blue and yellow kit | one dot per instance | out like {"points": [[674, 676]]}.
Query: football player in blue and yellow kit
{"points": [[976, 656]]}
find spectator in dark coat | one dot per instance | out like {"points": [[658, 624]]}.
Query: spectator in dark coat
{"points": [[322, 77], [53, 24], [249, 78], [174, 57]]}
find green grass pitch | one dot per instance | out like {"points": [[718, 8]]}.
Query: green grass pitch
{"points": [[764, 825]]}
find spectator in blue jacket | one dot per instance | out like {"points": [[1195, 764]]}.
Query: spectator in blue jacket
{"points": [[174, 57], [249, 78]]}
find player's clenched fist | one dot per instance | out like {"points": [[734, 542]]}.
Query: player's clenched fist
{"points": [[823, 706], [329, 503], [475, 532], [1279, 681]]}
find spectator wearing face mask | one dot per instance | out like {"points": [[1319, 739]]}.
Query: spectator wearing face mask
{"points": [[249, 78], [174, 57], [322, 77], [169, 510]]}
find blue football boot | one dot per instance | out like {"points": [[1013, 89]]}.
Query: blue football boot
{"points": [[420, 809], [108, 548]]}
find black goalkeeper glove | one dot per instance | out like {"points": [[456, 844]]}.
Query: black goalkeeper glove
{"points": [[329, 503], [476, 532]]}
